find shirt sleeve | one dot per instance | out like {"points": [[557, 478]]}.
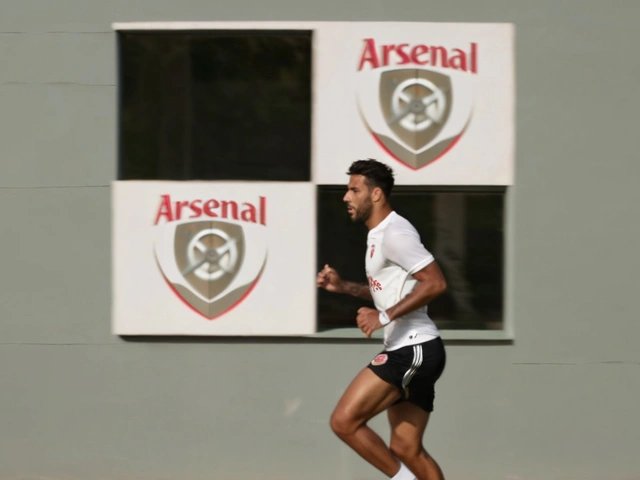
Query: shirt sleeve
{"points": [[404, 248]]}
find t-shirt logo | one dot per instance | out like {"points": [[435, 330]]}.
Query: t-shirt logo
{"points": [[373, 249], [374, 284]]}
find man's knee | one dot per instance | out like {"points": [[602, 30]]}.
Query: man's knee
{"points": [[342, 424], [405, 449]]}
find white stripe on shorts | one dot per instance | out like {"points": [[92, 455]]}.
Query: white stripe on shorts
{"points": [[415, 365]]}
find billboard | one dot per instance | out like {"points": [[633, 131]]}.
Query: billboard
{"points": [[435, 101], [213, 258]]}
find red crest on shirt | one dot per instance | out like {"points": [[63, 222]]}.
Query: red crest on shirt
{"points": [[373, 249]]}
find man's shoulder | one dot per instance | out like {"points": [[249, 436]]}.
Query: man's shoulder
{"points": [[399, 225], [399, 235]]}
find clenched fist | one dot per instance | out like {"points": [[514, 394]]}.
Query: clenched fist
{"points": [[368, 320], [329, 279]]}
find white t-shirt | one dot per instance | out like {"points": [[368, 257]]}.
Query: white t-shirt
{"points": [[394, 254]]}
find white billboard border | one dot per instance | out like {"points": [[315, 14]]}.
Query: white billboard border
{"points": [[507, 333]]}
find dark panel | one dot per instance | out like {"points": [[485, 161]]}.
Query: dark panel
{"points": [[215, 105], [463, 229]]}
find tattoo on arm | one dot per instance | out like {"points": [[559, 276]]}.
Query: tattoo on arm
{"points": [[356, 289]]}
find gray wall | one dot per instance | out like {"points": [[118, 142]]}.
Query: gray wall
{"points": [[559, 403]]}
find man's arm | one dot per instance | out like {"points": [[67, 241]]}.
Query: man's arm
{"points": [[329, 279], [360, 290], [404, 248], [431, 284]]}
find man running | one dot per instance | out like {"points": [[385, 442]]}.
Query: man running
{"points": [[403, 278]]}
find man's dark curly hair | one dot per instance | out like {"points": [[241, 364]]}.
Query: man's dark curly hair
{"points": [[376, 174]]}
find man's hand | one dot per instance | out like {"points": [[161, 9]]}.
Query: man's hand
{"points": [[368, 320], [329, 279]]}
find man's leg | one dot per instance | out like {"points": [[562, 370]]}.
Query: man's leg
{"points": [[408, 423], [366, 396]]}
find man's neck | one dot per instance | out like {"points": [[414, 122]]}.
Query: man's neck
{"points": [[378, 216]]}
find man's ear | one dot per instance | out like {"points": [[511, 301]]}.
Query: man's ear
{"points": [[376, 194]]}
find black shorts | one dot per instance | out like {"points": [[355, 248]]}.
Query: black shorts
{"points": [[414, 370]]}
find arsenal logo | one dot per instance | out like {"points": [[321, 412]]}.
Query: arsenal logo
{"points": [[209, 255], [416, 114], [211, 265], [416, 105]]}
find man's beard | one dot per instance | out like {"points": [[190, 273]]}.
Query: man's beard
{"points": [[364, 211]]}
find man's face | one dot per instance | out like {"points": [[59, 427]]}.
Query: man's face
{"points": [[358, 199]]}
